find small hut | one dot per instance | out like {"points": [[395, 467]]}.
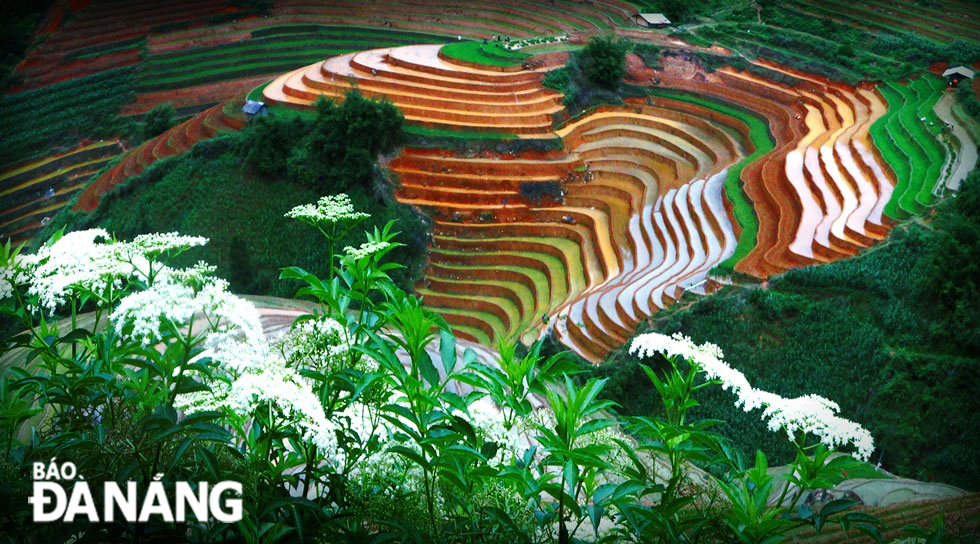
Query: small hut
{"points": [[651, 20], [957, 74], [254, 107]]}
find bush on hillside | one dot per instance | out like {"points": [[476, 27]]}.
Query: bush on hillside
{"points": [[344, 141], [268, 142], [158, 120], [603, 60], [593, 75], [333, 151]]}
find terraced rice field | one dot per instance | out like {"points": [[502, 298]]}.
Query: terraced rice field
{"points": [[31, 192], [265, 51], [655, 194], [729, 170], [103, 35], [910, 147], [942, 21], [431, 89]]}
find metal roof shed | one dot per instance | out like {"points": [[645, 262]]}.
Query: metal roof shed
{"points": [[254, 107], [651, 20]]}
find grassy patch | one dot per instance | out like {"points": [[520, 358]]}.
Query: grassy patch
{"points": [[491, 54]]}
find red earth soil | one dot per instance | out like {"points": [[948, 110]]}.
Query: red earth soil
{"points": [[192, 96], [52, 20]]}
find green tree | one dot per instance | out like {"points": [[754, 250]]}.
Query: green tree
{"points": [[269, 141], [604, 60], [341, 146], [158, 120]]}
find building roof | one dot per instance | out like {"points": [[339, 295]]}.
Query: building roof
{"points": [[252, 107], [654, 18], [961, 70]]}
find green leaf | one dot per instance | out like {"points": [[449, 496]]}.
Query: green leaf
{"points": [[831, 508], [873, 532], [411, 456], [489, 449], [447, 350], [427, 369]]}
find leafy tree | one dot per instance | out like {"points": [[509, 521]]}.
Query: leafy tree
{"points": [[603, 60], [269, 141], [344, 141], [158, 120]]}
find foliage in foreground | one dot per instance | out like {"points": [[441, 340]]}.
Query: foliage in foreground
{"points": [[365, 421]]}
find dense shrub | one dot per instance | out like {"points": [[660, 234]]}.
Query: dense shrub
{"points": [[158, 120], [333, 151], [603, 60], [343, 142], [592, 76]]}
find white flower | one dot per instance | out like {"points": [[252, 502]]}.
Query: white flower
{"points": [[320, 344], [810, 414], [75, 261], [329, 209], [154, 244], [7, 279], [367, 249], [143, 314], [90, 259]]}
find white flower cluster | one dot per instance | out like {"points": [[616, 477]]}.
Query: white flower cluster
{"points": [[76, 260], [250, 373], [329, 209], [808, 414], [157, 243], [89, 259], [10, 275], [367, 249], [170, 302], [320, 344]]}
